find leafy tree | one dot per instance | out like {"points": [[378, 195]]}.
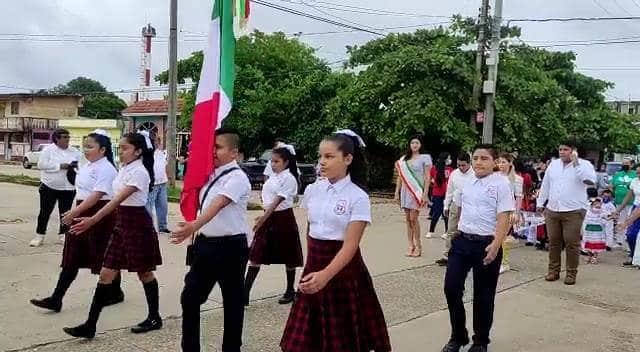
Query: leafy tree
{"points": [[98, 102]]}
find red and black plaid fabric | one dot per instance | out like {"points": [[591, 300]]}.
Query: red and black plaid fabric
{"points": [[277, 241], [134, 243], [86, 250], [345, 316]]}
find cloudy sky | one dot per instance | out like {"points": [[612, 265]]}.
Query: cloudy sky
{"points": [[47, 42]]}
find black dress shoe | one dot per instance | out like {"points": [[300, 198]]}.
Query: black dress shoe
{"points": [[627, 263], [478, 348], [287, 298], [115, 298], [147, 325], [452, 346], [442, 261], [164, 231], [81, 331], [529, 244], [47, 303]]}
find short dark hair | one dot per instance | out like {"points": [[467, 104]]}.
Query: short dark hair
{"points": [[464, 156], [59, 132], [488, 147], [607, 191], [570, 142], [230, 136]]}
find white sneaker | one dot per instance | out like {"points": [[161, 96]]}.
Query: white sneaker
{"points": [[61, 239], [429, 235], [444, 236], [504, 268], [37, 241]]}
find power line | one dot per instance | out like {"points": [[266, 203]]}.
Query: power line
{"points": [[338, 17], [635, 2], [367, 10], [317, 18], [576, 19], [621, 7], [597, 3]]}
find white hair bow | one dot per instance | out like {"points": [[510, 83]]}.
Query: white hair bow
{"points": [[290, 148], [101, 132], [147, 139], [349, 132]]}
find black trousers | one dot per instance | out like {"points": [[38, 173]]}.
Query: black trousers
{"points": [[48, 199], [220, 260], [466, 255]]}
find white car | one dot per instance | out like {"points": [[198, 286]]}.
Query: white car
{"points": [[31, 158]]}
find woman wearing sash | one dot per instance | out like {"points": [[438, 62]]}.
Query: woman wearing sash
{"points": [[412, 190]]}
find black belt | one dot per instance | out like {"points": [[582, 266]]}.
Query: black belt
{"points": [[221, 239], [474, 237]]}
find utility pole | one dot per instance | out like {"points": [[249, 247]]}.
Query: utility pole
{"points": [[477, 81], [170, 141], [492, 79]]}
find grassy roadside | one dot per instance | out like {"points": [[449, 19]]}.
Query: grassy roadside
{"points": [[173, 192]]}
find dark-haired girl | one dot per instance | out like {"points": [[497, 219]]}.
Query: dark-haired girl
{"points": [[93, 191], [439, 179], [134, 243], [337, 309], [277, 240], [412, 191]]}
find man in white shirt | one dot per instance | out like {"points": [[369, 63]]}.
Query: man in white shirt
{"points": [[563, 197], [457, 180], [54, 162], [220, 250], [158, 197]]}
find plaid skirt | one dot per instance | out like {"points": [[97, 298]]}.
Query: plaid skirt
{"points": [[134, 243], [86, 251], [345, 316], [277, 241]]}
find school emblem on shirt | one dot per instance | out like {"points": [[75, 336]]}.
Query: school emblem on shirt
{"points": [[491, 191], [341, 207]]}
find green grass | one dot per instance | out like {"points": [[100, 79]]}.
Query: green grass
{"points": [[20, 179]]}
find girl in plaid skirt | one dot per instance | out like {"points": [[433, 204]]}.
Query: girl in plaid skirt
{"points": [[277, 240], [134, 243], [337, 309], [93, 191]]}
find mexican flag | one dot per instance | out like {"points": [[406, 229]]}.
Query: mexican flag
{"points": [[214, 98]]}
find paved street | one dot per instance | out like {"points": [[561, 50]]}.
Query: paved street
{"points": [[601, 313]]}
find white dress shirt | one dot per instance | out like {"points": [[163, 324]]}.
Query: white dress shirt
{"points": [[232, 219], [331, 207], [635, 188], [160, 167], [482, 200], [563, 186], [282, 185], [457, 180], [133, 174], [96, 176], [49, 164]]}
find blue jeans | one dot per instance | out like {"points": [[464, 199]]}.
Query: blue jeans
{"points": [[632, 236], [159, 200]]}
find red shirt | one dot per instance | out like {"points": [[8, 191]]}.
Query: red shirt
{"points": [[436, 189]]}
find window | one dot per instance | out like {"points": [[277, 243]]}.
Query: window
{"points": [[631, 111], [15, 108]]}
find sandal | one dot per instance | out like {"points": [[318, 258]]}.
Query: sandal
{"points": [[410, 251], [417, 252]]}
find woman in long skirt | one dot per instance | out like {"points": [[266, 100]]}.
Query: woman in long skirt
{"points": [[134, 243], [86, 251], [277, 240], [337, 309]]}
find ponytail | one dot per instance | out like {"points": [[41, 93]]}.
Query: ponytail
{"points": [[292, 164], [104, 142], [144, 144], [351, 144]]}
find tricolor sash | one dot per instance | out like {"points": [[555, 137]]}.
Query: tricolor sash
{"points": [[413, 182]]}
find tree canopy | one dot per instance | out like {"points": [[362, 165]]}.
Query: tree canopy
{"points": [[97, 103]]}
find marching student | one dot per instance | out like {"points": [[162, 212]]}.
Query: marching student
{"points": [[337, 308], [487, 202], [54, 162], [456, 181], [134, 242], [276, 239], [220, 251], [412, 191], [93, 191]]}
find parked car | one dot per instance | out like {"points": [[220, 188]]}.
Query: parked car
{"points": [[254, 168], [613, 167], [31, 158]]}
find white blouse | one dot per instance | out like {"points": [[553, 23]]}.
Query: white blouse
{"points": [[96, 176], [331, 207], [283, 185], [133, 174]]}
